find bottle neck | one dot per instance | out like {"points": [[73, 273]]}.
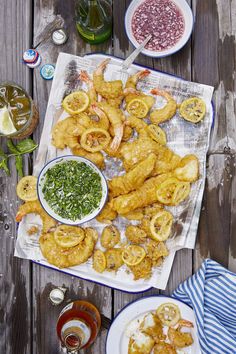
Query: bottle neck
{"points": [[72, 342]]}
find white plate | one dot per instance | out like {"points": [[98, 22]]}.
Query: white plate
{"points": [[188, 17], [117, 339]]}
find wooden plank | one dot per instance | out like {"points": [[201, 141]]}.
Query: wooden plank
{"points": [[216, 236], [214, 64], [15, 274], [45, 315]]}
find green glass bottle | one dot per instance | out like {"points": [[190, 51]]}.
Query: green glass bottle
{"points": [[94, 20]]}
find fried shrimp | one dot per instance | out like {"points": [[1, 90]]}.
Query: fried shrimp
{"points": [[66, 133], [180, 339], [161, 115], [35, 208], [84, 76], [116, 118], [66, 257], [132, 179], [107, 89]]}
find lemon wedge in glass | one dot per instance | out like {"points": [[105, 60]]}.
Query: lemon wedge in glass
{"points": [[6, 124]]}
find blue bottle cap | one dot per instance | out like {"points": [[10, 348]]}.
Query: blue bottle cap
{"points": [[47, 71], [30, 56]]}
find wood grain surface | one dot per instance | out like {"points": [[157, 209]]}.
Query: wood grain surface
{"points": [[27, 318]]}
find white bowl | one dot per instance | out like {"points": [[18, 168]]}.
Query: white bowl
{"points": [[188, 17], [46, 206]]}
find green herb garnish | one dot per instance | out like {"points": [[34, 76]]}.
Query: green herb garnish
{"points": [[72, 189], [23, 147]]}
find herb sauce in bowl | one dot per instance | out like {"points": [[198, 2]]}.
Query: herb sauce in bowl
{"points": [[72, 190]]}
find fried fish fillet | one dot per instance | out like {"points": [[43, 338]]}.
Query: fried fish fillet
{"points": [[133, 152], [134, 178], [145, 195], [66, 257]]}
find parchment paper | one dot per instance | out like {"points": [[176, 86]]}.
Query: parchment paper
{"points": [[183, 137]]}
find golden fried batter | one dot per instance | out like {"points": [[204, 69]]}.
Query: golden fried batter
{"points": [[114, 259], [152, 326], [110, 236], [107, 214], [142, 270], [156, 251], [145, 195], [140, 343], [65, 257], [35, 207], [135, 235], [132, 179]]}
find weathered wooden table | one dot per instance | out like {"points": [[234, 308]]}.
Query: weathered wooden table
{"points": [[27, 318]]}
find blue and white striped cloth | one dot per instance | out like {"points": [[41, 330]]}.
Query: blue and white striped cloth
{"points": [[211, 292]]}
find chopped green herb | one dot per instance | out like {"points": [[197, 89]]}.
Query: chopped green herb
{"points": [[72, 189]]}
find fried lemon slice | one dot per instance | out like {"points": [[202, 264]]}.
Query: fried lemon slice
{"points": [[172, 191], [157, 134], [26, 188], [168, 313], [160, 225], [133, 255], [68, 236], [138, 108], [193, 109], [76, 102], [95, 139], [99, 261]]}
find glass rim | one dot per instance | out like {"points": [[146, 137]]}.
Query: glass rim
{"points": [[25, 126]]}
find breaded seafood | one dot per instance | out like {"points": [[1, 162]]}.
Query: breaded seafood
{"points": [[66, 257], [140, 343], [143, 196], [34, 207], [132, 179]]}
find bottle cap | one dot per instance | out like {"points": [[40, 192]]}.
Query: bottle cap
{"points": [[35, 64], [47, 71], [30, 56], [59, 36], [57, 295]]}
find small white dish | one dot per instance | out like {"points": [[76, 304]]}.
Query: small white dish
{"points": [[46, 206], [125, 321], [188, 18]]}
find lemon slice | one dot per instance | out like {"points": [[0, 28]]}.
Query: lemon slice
{"points": [[76, 102], [169, 314], [6, 124], [160, 225], [133, 255], [99, 261], [193, 109], [157, 134], [68, 236], [26, 188], [138, 108], [172, 191]]}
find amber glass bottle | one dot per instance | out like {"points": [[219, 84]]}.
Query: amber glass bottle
{"points": [[78, 325]]}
